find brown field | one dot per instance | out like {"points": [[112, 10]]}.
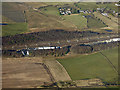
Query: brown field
{"points": [[58, 71], [114, 19], [23, 73], [113, 25]]}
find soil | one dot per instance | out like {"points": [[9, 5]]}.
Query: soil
{"points": [[23, 73]]}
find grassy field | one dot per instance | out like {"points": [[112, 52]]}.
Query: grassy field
{"points": [[48, 18], [93, 5], [94, 23], [112, 54], [51, 11], [43, 21], [6, 19], [13, 11], [77, 20], [107, 21], [86, 5], [41, 4], [15, 28], [58, 71], [114, 19], [91, 66]]}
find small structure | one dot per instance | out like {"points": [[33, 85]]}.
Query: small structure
{"points": [[27, 53], [23, 53], [64, 11], [104, 14], [81, 11], [117, 4], [35, 9], [98, 8], [113, 11]]}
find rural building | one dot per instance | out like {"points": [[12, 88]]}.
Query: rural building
{"points": [[104, 14], [35, 9], [117, 4], [65, 11]]}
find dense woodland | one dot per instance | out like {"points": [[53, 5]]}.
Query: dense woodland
{"points": [[82, 49], [78, 49], [52, 35], [33, 53]]}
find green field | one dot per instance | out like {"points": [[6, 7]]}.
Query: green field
{"points": [[77, 20], [92, 66], [86, 5], [107, 21], [113, 56], [51, 11], [93, 5], [15, 28], [47, 18], [95, 23]]}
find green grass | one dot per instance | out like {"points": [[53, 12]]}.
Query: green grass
{"points": [[109, 6], [107, 21], [51, 11], [95, 23], [87, 5], [77, 20], [112, 54], [91, 66], [15, 28], [93, 5]]}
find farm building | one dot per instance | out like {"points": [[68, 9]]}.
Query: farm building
{"points": [[104, 14], [117, 4]]}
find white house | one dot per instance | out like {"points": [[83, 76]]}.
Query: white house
{"points": [[104, 14], [63, 13], [23, 53], [117, 4], [113, 11], [98, 9], [35, 9], [28, 53]]}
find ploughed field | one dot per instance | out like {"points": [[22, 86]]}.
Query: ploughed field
{"points": [[23, 73], [93, 65]]}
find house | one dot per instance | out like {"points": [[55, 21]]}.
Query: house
{"points": [[104, 14], [35, 9], [81, 11], [113, 11], [68, 9], [98, 8], [83, 16], [28, 53], [62, 13], [117, 4], [116, 14], [23, 53], [68, 12], [60, 9]]}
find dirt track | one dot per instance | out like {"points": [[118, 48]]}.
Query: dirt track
{"points": [[23, 73], [108, 60]]}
